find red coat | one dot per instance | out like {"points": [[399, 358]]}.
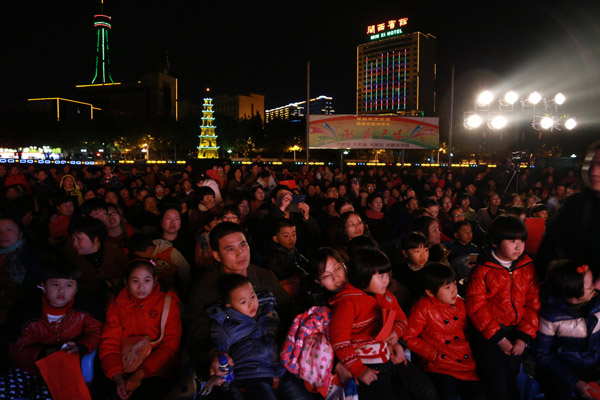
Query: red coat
{"points": [[498, 296], [436, 332], [128, 317], [39, 334], [356, 321]]}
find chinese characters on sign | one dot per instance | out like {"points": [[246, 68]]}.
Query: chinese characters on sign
{"points": [[389, 25], [373, 132]]}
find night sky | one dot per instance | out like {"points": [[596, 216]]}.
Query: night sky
{"points": [[549, 45]]}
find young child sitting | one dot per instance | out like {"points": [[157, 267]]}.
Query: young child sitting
{"points": [[171, 270], [463, 253], [502, 303], [567, 350], [366, 325], [283, 258], [415, 252], [58, 226], [44, 327], [203, 253], [244, 327], [436, 332], [137, 311]]}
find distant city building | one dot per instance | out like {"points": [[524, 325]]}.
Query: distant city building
{"points": [[155, 95], [240, 106], [294, 112], [396, 71]]}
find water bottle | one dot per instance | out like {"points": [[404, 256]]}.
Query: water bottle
{"points": [[225, 367]]}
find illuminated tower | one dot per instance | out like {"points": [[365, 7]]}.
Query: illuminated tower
{"points": [[102, 25], [207, 148]]}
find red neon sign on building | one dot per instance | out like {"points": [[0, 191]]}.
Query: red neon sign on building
{"points": [[384, 26]]}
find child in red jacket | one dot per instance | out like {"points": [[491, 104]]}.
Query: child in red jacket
{"points": [[502, 303], [366, 325], [436, 332], [137, 311], [51, 325]]}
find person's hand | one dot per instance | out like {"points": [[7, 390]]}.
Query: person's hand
{"points": [[368, 376], [121, 390], [585, 390], [70, 347], [518, 347], [214, 365], [505, 345], [393, 338], [134, 381], [284, 201], [304, 209], [398, 354], [343, 374]]}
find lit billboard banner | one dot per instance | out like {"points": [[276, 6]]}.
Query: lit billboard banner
{"points": [[373, 132], [386, 29]]}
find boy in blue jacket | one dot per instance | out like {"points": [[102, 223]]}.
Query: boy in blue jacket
{"points": [[245, 326]]}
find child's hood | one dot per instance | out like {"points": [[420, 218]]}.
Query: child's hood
{"points": [[161, 245], [347, 291], [219, 312]]}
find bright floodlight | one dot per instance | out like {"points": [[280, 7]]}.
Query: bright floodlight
{"points": [[534, 98], [485, 98], [511, 97], [497, 122], [474, 121], [570, 123], [559, 98], [546, 123]]}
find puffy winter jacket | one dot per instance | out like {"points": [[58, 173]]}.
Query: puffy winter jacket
{"points": [[436, 332], [39, 334], [497, 296], [250, 342], [567, 345], [129, 317]]}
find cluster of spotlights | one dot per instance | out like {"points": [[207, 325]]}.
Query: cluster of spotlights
{"points": [[498, 120], [486, 98]]}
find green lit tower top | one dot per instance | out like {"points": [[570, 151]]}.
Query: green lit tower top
{"points": [[207, 148], [102, 24]]}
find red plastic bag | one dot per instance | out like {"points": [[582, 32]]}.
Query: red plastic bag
{"points": [[62, 373]]}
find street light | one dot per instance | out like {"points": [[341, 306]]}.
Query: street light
{"points": [[295, 148]]}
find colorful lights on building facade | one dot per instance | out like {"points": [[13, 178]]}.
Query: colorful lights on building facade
{"points": [[395, 71]]}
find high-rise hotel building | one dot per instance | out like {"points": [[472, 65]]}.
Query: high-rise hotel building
{"points": [[396, 72]]}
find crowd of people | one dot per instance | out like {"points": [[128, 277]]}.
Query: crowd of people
{"points": [[370, 283]]}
